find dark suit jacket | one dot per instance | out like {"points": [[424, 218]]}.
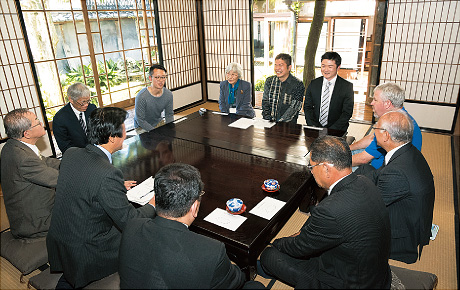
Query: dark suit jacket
{"points": [[243, 98], [407, 188], [28, 185], [349, 232], [160, 253], [340, 108], [67, 129], [90, 211]]}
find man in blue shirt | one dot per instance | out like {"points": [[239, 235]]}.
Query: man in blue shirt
{"points": [[387, 97]]}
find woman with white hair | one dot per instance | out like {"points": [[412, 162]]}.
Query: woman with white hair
{"points": [[236, 94]]}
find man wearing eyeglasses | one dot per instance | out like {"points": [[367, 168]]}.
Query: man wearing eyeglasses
{"points": [[345, 243], [28, 179], [162, 253], [406, 184], [70, 122], [154, 104]]}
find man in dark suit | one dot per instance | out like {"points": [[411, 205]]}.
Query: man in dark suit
{"points": [[70, 122], [406, 183], [91, 208], [329, 99], [345, 243], [163, 253], [28, 178]]}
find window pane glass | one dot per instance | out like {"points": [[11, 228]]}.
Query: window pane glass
{"points": [[83, 42], [37, 31], [303, 29], [59, 44], [56, 4], [31, 5], [260, 6], [65, 34], [130, 35], [346, 41], [97, 42], [93, 21], [79, 23], [49, 83], [76, 4], [110, 35]]}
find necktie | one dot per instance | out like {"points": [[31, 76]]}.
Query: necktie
{"points": [[82, 123], [324, 105]]}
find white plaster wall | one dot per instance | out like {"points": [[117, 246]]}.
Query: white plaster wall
{"points": [[431, 116], [187, 96], [213, 91]]}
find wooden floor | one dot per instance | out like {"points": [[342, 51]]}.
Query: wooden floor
{"points": [[439, 257]]}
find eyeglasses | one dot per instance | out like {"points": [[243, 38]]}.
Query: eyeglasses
{"points": [[313, 166], [39, 124], [377, 128], [83, 103], [160, 78]]}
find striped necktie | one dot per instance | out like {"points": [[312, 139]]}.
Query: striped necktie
{"points": [[82, 123], [324, 105]]}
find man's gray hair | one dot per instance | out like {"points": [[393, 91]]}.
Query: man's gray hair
{"points": [[392, 92], [235, 67], [399, 125], [77, 90], [16, 123]]}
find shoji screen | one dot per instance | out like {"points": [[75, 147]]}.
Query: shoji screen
{"points": [[227, 39], [17, 83], [179, 41], [421, 53]]}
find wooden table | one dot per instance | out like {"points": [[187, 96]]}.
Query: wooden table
{"points": [[233, 163]]}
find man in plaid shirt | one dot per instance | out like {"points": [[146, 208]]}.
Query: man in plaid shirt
{"points": [[283, 93]]}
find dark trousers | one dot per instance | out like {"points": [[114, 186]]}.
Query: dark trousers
{"points": [[298, 273], [64, 284]]}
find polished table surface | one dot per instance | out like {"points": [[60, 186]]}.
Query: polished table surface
{"points": [[284, 141], [231, 165]]}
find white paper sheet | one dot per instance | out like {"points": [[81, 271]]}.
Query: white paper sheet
{"points": [[224, 219], [180, 120], [267, 207], [143, 192], [313, 128], [242, 123], [261, 123], [220, 113]]}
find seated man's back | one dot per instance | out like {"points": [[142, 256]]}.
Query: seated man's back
{"points": [[161, 253], [345, 243], [91, 206], [406, 184]]}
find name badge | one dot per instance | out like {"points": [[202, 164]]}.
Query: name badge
{"points": [[232, 110]]}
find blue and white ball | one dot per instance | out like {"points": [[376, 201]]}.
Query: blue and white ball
{"points": [[234, 204]]}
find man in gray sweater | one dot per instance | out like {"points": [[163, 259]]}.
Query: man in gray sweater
{"points": [[154, 103]]}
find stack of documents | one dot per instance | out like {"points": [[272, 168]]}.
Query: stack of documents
{"points": [[142, 193]]}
